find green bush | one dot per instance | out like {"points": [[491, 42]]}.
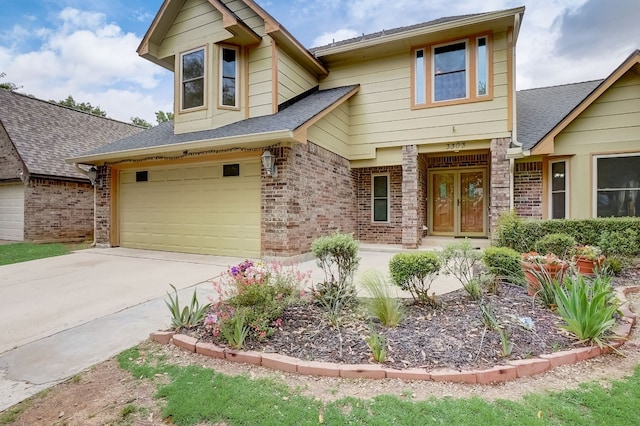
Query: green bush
{"points": [[620, 244], [337, 256], [558, 243], [504, 263], [459, 260], [414, 272], [521, 235]]}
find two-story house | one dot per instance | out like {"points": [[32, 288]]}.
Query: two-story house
{"points": [[390, 136]]}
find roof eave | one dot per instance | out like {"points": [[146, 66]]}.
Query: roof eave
{"points": [[254, 140], [515, 12]]}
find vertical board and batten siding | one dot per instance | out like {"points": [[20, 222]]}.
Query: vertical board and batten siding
{"points": [[381, 114], [292, 78], [332, 131], [12, 212], [261, 79], [192, 209], [609, 125]]}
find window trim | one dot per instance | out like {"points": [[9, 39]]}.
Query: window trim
{"points": [[567, 187], [204, 77], [594, 176], [373, 197], [221, 49], [428, 57]]}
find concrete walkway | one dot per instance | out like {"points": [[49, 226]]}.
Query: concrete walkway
{"points": [[61, 315]]}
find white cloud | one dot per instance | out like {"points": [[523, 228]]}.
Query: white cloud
{"points": [[327, 38]]}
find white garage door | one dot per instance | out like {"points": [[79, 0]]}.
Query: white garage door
{"points": [[205, 208], [12, 212]]}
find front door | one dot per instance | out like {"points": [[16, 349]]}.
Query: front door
{"points": [[458, 203]]}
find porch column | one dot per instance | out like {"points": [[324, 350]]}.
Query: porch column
{"points": [[102, 212], [500, 181], [410, 222]]}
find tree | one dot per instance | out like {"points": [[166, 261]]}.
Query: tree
{"points": [[141, 122], [162, 116], [7, 85], [84, 106]]}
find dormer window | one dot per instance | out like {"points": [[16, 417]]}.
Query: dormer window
{"points": [[228, 77], [192, 64], [451, 73]]}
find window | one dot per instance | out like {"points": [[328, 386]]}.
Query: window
{"points": [[230, 170], [617, 185], [228, 76], [192, 75], [456, 72], [380, 198], [558, 208], [142, 176]]}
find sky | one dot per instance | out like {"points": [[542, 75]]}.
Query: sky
{"points": [[87, 49]]}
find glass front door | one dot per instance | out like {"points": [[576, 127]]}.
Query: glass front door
{"points": [[458, 202]]}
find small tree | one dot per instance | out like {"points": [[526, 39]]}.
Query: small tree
{"points": [[141, 122], [459, 260], [414, 272]]}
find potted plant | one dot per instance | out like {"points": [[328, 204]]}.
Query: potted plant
{"points": [[587, 258], [537, 266]]}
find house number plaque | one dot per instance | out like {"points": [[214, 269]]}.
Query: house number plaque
{"points": [[455, 146]]}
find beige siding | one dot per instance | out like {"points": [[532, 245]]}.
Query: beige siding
{"points": [[292, 78], [332, 131], [610, 125], [247, 15], [381, 114], [261, 79]]}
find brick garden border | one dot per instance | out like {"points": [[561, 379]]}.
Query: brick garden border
{"points": [[501, 373]]}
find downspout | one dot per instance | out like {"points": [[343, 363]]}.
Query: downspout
{"points": [[84, 172]]}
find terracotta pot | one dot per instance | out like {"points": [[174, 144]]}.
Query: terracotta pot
{"points": [[587, 266], [531, 269]]}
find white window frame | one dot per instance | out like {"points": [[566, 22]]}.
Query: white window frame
{"points": [[566, 187], [594, 183], [221, 76], [374, 198], [204, 79]]}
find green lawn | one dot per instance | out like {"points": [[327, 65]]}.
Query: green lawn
{"points": [[22, 252], [197, 395]]}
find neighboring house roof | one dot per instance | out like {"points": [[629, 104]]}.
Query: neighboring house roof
{"points": [[45, 134], [540, 110], [543, 143], [264, 129]]}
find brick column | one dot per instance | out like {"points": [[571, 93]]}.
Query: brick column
{"points": [[410, 222], [500, 181], [103, 206]]}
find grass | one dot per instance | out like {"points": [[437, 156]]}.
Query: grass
{"points": [[23, 252], [197, 395]]}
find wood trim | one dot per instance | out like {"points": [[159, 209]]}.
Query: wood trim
{"points": [[188, 160], [274, 76], [245, 73]]}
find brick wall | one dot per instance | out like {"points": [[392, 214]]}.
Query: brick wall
{"points": [[422, 194], [499, 180], [411, 235], [58, 210], [103, 206], [10, 163], [527, 189], [376, 232], [312, 196]]}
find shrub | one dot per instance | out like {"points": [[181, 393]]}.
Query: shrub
{"points": [[587, 307], [389, 310], [188, 317], [619, 244], [414, 272], [559, 244], [459, 260], [337, 256], [504, 263], [378, 345]]}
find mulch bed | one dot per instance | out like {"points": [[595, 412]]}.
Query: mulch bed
{"points": [[452, 336]]}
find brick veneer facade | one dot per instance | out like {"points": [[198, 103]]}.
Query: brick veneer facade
{"points": [[312, 196], [56, 210], [103, 206], [500, 181], [411, 235], [527, 189], [369, 231]]}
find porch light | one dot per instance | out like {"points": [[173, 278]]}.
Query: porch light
{"points": [[269, 164], [92, 173]]}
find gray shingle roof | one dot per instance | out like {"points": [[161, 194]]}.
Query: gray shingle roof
{"points": [[382, 33], [45, 134], [540, 110], [287, 119]]}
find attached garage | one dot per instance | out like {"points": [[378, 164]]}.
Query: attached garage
{"points": [[208, 208], [12, 212]]}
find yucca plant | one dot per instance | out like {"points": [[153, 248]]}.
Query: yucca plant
{"points": [[388, 309], [189, 316], [587, 307], [235, 329], [378, 345]]}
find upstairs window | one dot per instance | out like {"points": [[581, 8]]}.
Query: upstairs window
{"points": [[192, 78], [454, 72], [617, 185], [228, 77]]}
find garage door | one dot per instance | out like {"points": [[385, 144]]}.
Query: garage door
{"points": [[206, 208], [12, 212]]}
